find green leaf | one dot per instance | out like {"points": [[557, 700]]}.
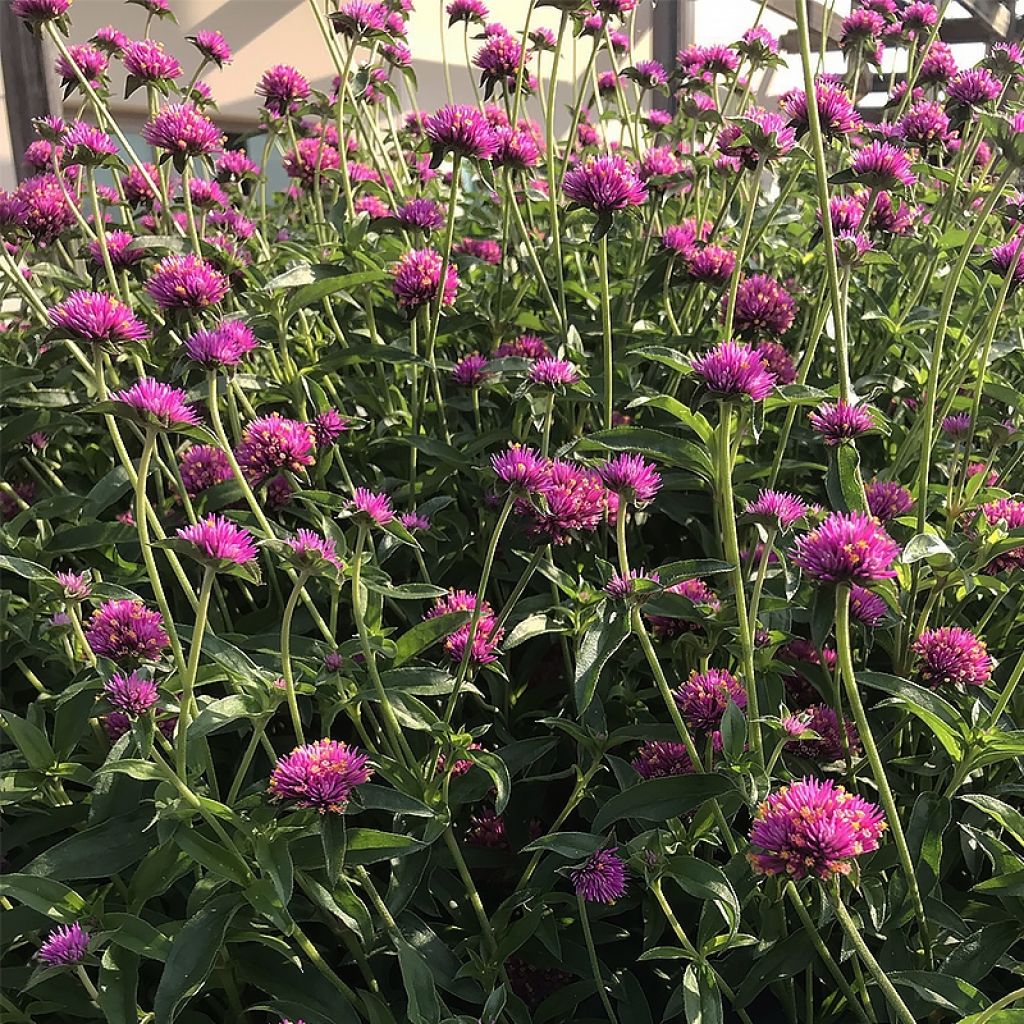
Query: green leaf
{"points": [[952, 994], [925, 545], [843, 481], [573, 845], [426, 633], [702, 1001], [45, 895], [27, 570], [653, 443], [368, 846], [495, 767], [320, 289], [334, 837], [211, 855], [193, 954], [118, 985], [145, 771], [424, 1006], [660, 799], [707, 882], [99, 851], [30, 740], [137, 935], [602, 639], [222, 712], [998, 810]]}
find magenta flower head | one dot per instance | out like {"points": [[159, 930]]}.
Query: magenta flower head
{"points": [[182, 130], [828, 746], [861, 28], [527, 346], [813, 828], [938, 66], [839, 422], [517, 148], [847, 548], [836, 112], [471, 371], [883, 165], [649, 74], [64, 946], [148, 61], [372, 507], [731, 370], [951, 656], [219, 544], [956, 426], [272, 444], [282, 88], [355, 18], [604, 184], [602, 879], [414, 521], [461, 130], [309, 551], [550, 372], [622, 587], [660, 759], [132, 694], [1008, 514], [632, 478], [126, 631], [759, 46], [763, 308], [919, 16], [520, 469], [704, 697], [87, 59], [574, 500], [417, 276], [887, 500], [186, 282], [780, 508], [203, 466], [74, 586], [866, 607], [768, 136], [711, 264], [1003, 257], [327, 427], [97, 318], [320, 776], [225, 345], [120, 247], [40, 10], [925, 125], [86, 145], [975, 87], [498, 62], [467, 11], [777, 360], [156, 404], [213, 46], [420, 215], [488, 634]]}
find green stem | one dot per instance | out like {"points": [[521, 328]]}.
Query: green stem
{"points": [[189, 682], [874, 968], [1004, 698], [595, 965], [741, 250], [243, 766], [471, 889], [286, 659], [606, 332], [875, 762], [190, 213]]}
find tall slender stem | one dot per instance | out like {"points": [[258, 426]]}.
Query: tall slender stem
{"points": [[595, 964], [189, 682], [606, 332], [286, 656]]}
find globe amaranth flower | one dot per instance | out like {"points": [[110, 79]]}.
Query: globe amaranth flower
{"points": [[777, 361], [234, 165], [866, 607], [373, 506], [813, 828], [87, 145], [925, 125], [327, 427], [553, 373], [74, 586], [186, 282], [206, 195], [182, 129], [224, 345], [1006, 256], [283, 88], [763, 307], [660, 759], [126, 630], [631, 477], [883, 165], [919, 16], [421, 215], [1007, 513], [43, 210], [621, 587], [466, 10], [356, 18], [132, 694], [650, 74], [274, 444], [975, 87], [64, 946], [704, 697], [517, 148], [951, 656], [147, 60], [838, 422], [732, 369], [320, 776], [887, 499], [462, 130], [938, 66], [498, 61], [138, 189], [837, 115], [471, 371], [828, 746], [39, 10], [759, 46], [486, 638], [213, 46], [798, 652], [527, 346], [710, 264], [414, 521], [310, 549], [218, 540], [572, 499], [714, 60], [86, 60], [485, 249], [957, 425], [97, 318], [121, 249], [861, 28], [417, 277], [487, 830], [699, 594], [520, 468], [781, 507], [604, 184], [847, 548], [602, 879], [659, 162], [203, 466], [158, 404], [311, 158]]}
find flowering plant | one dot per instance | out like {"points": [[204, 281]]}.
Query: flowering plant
{"points": [[520, 571]]}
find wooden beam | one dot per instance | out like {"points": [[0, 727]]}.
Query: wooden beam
{"points": [[815, 16], [995, 15], [30, 88]]}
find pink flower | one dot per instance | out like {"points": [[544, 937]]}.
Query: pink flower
{"points": [[282, 88], [87, 145], [951, 656], [180, 128], [521, 469], [887, 499], [704, 600], [417, 276], [621, 587], [781, 507], [847, 548], [839, 422], [120, 248], [203, 466], [213, 46], [356, 18], [461, 130], [836, 113], [1007, 513], [517, 149], [98, 318], [528, 346], [87, 59], [272, 444], [75, 586], [732, 369], [310, 548], [660, 759], [147, 60], [485, 249], [466, 10], [631, 477], [224, 345], [220, 541], [704, 697], [924, 125], [602, 879], [159, 404], [126, 630], [186, 282], [471, 371], [604, 184], [39, 10], [883, 165], [132, 694], [320, 775], [763, 307], [866, 607], [498, 61], [574, 500], [486, 638], [975, 87], [828, 746], [813, 828], [553, 373], [327, 427], [64, 946], [414, 521], [420, 215], [375, 507]]}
